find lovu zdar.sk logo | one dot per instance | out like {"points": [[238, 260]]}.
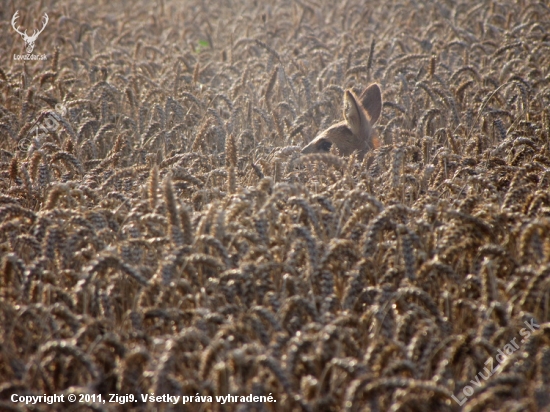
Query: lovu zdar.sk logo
{"points": [[29, 40]]}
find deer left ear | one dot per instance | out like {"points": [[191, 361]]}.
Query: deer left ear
{"points": [[353, 113], [371, 100]]}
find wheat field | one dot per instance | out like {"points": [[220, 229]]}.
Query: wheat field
{"points": [[161, 233]]}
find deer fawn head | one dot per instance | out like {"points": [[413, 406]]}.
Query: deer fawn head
{"points": [[29, 40], [356, 132]]}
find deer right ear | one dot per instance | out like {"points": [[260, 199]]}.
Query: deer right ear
{"points": [[371, 100]]}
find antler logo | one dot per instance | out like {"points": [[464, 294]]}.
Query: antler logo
{"points": [[29, 40]]}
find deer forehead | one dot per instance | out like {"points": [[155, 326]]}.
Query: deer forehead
{"points": [[336, 131], [341, 131], [343, 138]]}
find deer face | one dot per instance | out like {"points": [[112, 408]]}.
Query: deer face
{"points": [[29, 43], [355, 133]]}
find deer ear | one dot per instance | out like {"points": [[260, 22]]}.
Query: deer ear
{"points": [[353, 113], [371, 100]]}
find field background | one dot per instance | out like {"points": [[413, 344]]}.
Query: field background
{"points": [[167, 237]]}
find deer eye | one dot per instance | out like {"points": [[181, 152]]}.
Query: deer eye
{"points": [[324, 146]]}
